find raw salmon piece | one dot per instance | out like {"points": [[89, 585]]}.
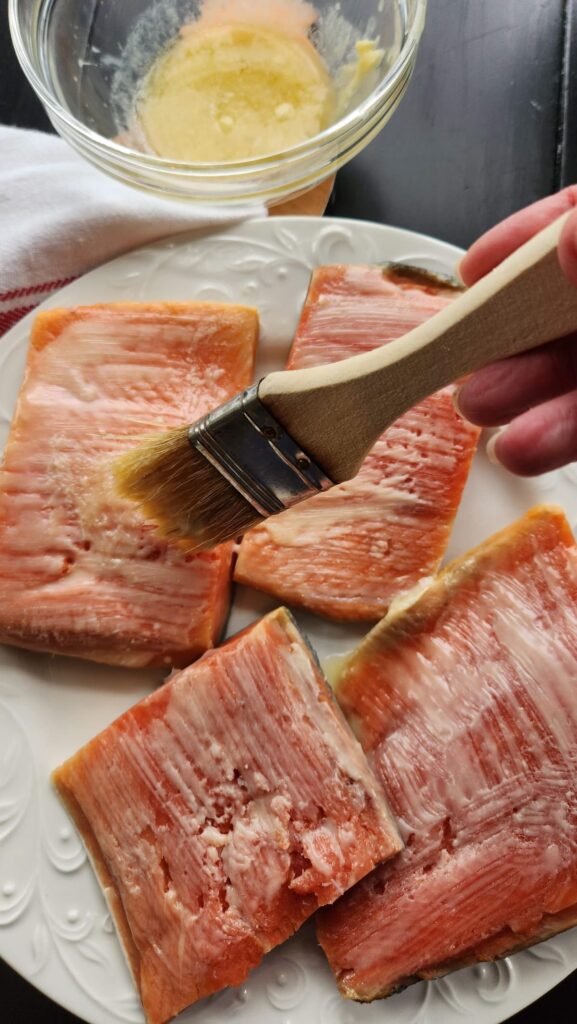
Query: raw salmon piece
{"points": [[81, 573], [346, 553], [222, 811], [466, 704]]}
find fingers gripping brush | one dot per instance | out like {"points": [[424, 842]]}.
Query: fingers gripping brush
{"points": [[300, 432]]}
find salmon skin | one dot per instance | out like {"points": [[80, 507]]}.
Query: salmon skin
{"points": [[346, 553], [466, 705], [81, 572], [221, 811]]}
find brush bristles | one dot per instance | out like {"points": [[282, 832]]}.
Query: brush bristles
{"points": [[184, 494]]}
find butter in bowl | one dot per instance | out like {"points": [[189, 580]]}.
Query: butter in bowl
{"points": [[218, 101]]}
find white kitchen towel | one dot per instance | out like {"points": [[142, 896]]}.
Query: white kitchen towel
{"points": [[60, 217]]}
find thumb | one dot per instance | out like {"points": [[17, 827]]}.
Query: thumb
{"points": [[568, 249]]}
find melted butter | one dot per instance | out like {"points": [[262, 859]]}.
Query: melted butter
{"points": [[353, 75], [333, 667], [226, 93], [244, 81], [404, 601]]}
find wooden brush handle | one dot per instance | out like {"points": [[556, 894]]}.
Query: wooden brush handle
{"points": [[337, 412]]}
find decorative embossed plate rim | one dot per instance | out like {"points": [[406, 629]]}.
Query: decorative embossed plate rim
{"points": [[54, 928]]}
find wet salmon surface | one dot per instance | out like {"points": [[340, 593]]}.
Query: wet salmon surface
{"points": [[347, 553], [81, 572], [465, 702], [222, 811]]}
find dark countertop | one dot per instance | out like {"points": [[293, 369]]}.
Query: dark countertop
{"points": [[489, 124]]}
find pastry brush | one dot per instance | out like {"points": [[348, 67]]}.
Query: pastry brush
{"points": [[299, 432]]}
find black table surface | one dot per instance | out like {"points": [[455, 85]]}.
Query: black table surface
{"points": [[489, 124]]}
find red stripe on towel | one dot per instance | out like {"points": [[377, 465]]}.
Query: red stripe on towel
{"points": [[12, 316], [48, 286]]}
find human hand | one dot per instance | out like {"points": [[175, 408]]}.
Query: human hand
{"points": [[534, 393]]}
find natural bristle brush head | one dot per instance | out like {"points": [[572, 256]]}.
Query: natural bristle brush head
{"points": [[181, 491], [211, 482]]}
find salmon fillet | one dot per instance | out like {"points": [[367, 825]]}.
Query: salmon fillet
{"points": [[222, 811], [81, 573], [466, 705], [346, 553]]}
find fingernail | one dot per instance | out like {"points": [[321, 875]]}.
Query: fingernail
{"points": [[456, 405], [458, 273], [490, 449]]}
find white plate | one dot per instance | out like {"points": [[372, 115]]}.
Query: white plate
{"points": [[54, 927]]}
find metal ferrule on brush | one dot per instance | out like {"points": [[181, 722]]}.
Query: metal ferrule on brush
{"points": [[251, 449]]}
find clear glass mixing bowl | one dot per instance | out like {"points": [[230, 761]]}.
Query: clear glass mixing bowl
{"points": [[84, 57]]}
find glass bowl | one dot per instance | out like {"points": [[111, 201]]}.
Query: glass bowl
{"points": [[85, 59]]}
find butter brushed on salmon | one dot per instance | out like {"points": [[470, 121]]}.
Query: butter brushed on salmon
{"points": [[81, 572], [348, 552], [465, 702], [222, 811]]}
